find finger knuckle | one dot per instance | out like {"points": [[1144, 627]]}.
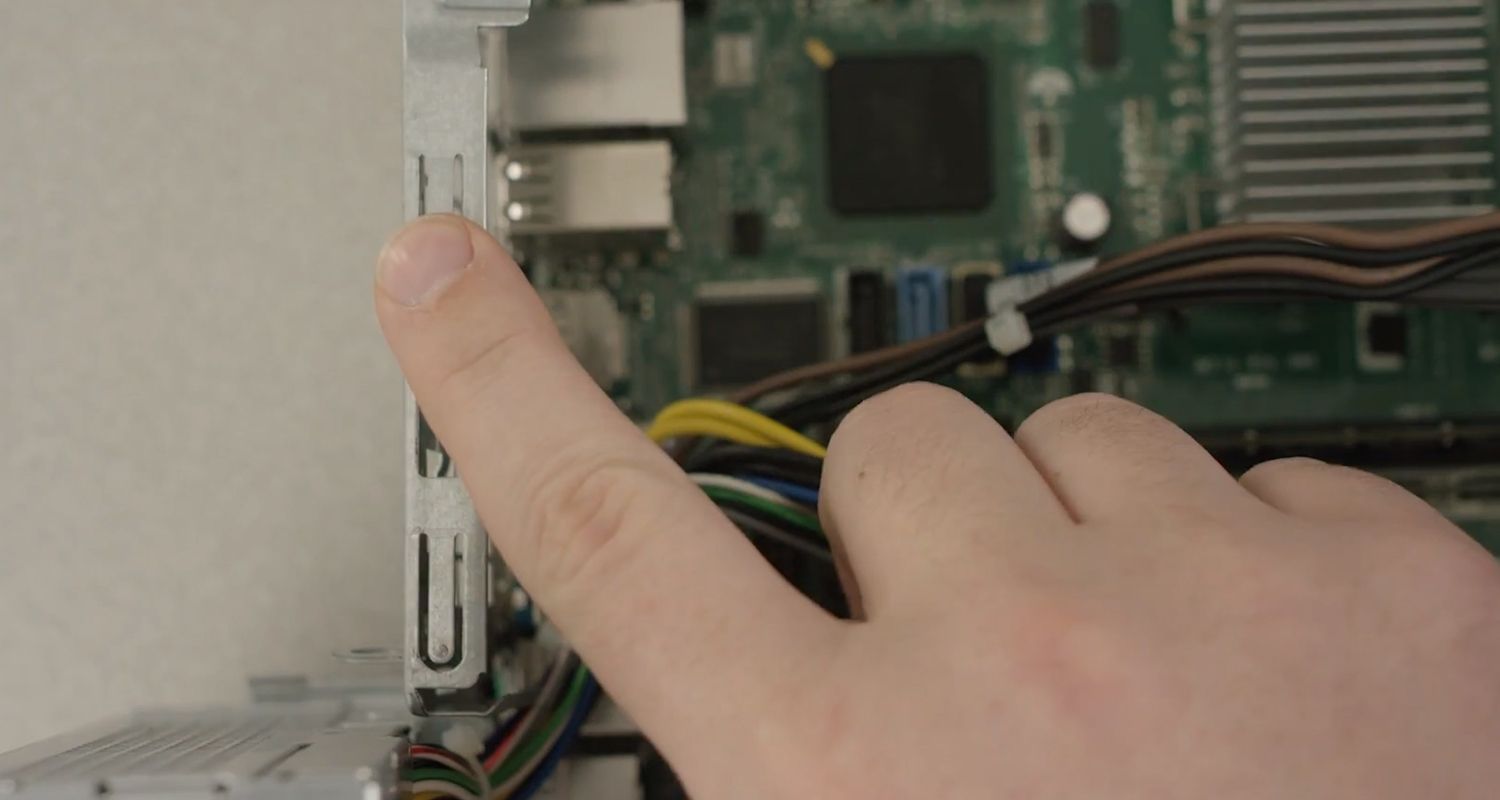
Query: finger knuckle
{"points": [[1085, 413], [918, 397], [880, 436], [1376, 485], [585, 516], [1281, 469], [873, 420]]}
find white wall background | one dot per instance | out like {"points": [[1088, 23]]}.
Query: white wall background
{"points": [[199, 425]]}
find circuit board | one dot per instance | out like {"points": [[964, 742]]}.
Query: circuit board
{"points": [[1068, 97]]}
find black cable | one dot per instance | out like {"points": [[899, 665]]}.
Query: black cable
{"points": [[798, 412], [840, 398], [1053, 312], [806, 408], [763, 526], [1261, 248], [812, 480], [1263, 288], [731, 459]]}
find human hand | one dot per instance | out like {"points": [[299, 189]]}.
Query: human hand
{"points": [[1092, 608]]}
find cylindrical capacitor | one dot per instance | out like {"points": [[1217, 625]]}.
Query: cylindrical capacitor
{"points": [[1084, 221]]}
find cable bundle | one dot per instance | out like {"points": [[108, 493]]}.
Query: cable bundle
{"points": [[755, 438], [762, 474], [768, 487], [523, 750], [1451, 264], [752, 455]]}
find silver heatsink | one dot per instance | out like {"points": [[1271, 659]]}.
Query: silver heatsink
{"points": [[1354, 111]]}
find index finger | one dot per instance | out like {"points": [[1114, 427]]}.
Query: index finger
{"points": [[667, 602]]}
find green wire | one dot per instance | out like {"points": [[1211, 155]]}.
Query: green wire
{"points": [[445, 775], [799, 518], [538, 739]]}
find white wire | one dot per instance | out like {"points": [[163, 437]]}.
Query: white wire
{"points": [[444, 788], [457, 766], [745, 487], [480, 776]]}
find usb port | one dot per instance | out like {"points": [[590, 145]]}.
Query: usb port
{"points": [[921, 302]]}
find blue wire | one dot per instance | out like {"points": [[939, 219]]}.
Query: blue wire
{"points": [[795, 492], [545, 769]]}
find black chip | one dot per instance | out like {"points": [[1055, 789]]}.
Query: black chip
{"points": [[973, 302], [1101, 34], [1080, 381], [1124, 351], [747, 233], [1386, 334], [909, 134], [743, 340], [869, 312], [1044, 146]]}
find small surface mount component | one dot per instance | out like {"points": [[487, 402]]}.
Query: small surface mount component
{"points": [[1375, 113], [1122, 350], [1382, 334], [734, 60], [746, 331], [970, 292], [869, 311], [590, 188], [909, 133], [921, 302], [747, 233], [1102, 34]]}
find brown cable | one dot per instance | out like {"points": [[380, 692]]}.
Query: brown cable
{"points": [[1324, 234], [1283, 265], [680, 449], [856, 363]]}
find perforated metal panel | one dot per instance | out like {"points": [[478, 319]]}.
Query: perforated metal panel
{"points": [[285, 753]]}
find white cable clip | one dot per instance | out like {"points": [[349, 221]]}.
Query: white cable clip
{"points": [[1013, 290], [1008, 331]]}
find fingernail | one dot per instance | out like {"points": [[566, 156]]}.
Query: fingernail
{"points": [[423, 258]]}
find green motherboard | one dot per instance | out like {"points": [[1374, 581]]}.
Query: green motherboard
{"points": [[1018, 106]]}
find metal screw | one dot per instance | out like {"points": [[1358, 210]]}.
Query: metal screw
{"points": [[441, 652]]}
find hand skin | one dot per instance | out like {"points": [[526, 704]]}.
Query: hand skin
{"points": [[1092, 608]]}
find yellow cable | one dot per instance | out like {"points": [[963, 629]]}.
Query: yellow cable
{"points": [[661, 430], [746, 418], [741, 417]]}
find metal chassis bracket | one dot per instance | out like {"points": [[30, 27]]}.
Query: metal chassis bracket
{"points": [[452, 103]]}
